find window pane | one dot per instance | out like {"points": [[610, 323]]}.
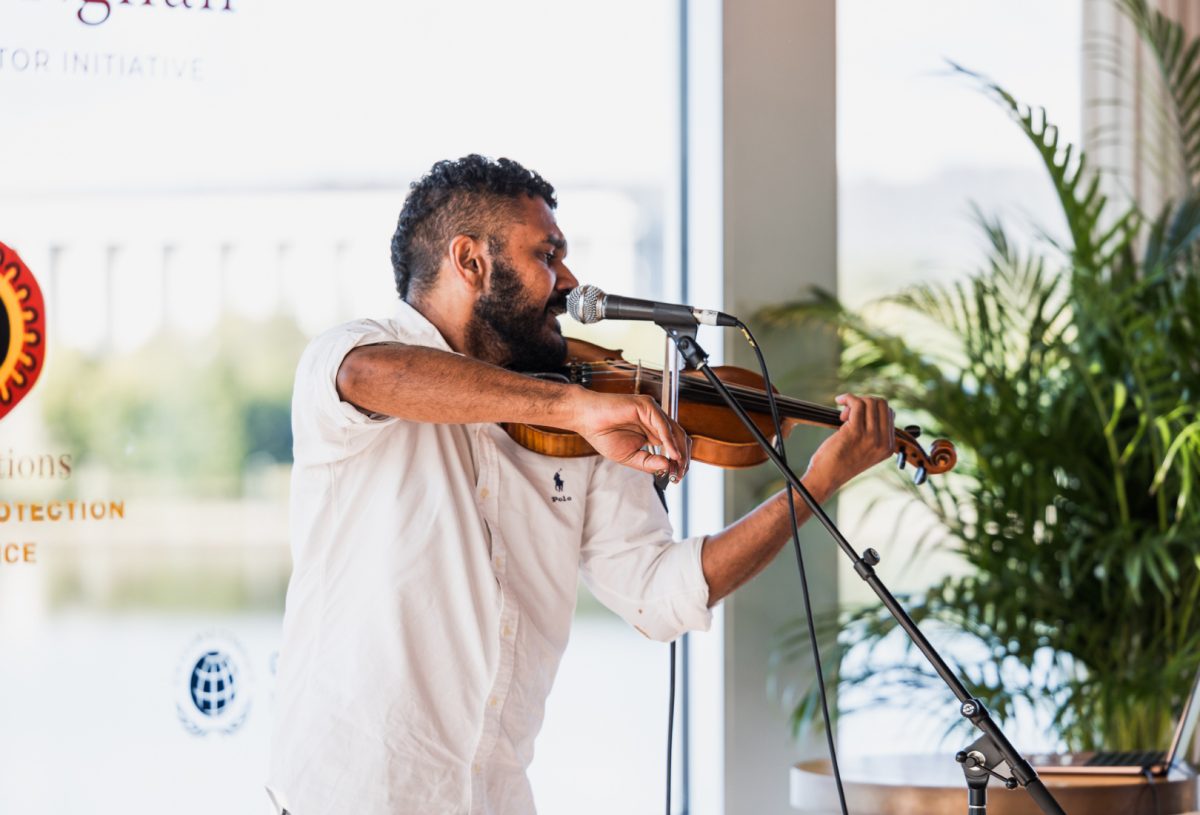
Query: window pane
{"points": [[917, 144], [196, 210]]}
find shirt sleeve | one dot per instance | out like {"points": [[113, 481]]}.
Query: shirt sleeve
{"points": [[631, 562], [326, 428]]}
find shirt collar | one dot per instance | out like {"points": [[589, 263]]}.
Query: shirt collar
{"points": [[415, 323]]}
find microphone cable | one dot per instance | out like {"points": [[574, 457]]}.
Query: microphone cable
{"points": [[812, 631], [1153, 784], [662, 496], [671, 725]]}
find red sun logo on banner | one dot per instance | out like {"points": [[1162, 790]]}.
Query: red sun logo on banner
{"points": [[22, 330]]}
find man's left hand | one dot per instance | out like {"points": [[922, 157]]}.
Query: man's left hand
{"points": [[867, 436]]}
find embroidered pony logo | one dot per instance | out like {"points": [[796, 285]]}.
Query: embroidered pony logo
{"points": [[559, 485]]}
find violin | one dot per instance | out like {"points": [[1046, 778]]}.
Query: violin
{"points": [[718, 436]]}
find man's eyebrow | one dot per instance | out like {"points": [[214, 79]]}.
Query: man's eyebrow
{"points": [[557, 242]]}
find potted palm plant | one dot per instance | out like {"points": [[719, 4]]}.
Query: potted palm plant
{"points": [[1068, 374]]}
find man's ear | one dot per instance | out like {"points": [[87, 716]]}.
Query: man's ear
{"points": [[469, 261]]}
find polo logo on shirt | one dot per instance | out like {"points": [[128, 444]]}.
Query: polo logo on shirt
{"points": [[559, 484]]}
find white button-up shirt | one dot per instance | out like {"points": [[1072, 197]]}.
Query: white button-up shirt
{"points": [[434, 579]]}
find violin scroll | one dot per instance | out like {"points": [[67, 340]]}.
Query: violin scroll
{"points": [[941, 457]]}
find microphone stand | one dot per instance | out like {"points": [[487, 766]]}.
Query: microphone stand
{"points": [[993, 747], [669, 399], [670, 391]]}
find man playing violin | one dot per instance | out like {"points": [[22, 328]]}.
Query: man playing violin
{"points": [[435, 560]]}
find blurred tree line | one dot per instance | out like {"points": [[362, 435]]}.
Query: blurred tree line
{"points": [[180, 414]]}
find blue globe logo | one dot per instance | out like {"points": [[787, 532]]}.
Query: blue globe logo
{"points": [[214, 683]]}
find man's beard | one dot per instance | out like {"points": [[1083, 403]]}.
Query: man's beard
{"points": [[509, 329]]}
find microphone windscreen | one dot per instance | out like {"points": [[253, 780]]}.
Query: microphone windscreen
{"points": [[583, 303]]}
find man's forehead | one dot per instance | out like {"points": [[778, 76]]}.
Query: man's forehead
{"points": [[538, 224]]}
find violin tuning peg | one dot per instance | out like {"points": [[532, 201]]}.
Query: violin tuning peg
{"points": [[901, 459], [919, 476], [913, 430]]}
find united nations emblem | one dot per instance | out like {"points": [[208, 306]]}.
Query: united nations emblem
{"points": [[213, 686], [22, 330]]}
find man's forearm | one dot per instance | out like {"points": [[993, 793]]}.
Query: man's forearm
{"points": [[428, 385], [866, 437], [742, 550]]}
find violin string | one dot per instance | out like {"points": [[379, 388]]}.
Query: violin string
{"points": [[754, 399], [748, 397], [698, 386]]}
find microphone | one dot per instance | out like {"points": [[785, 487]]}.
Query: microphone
{"points": [[588, 304]]}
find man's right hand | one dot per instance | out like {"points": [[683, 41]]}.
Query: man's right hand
{"points": [[619, 426]]}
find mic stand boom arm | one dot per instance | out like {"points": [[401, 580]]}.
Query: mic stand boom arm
{"points": [[970, 708]]}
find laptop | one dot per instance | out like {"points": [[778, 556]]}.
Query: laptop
{"points": [[1129, 763]]}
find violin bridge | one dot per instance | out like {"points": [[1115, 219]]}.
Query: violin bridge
{"points": [[637, 378]]}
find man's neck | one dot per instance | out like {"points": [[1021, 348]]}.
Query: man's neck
{"points": [[453, 329]]}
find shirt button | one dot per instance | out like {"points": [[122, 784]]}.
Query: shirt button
{"points": [[475, 768], [483, 493], [507, 631], [492, 702], [499, 561]]}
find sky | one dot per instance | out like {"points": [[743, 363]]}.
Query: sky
{"points": [[904, 116]]}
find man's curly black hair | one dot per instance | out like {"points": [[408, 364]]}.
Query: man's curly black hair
{"points": [[467, 196]]}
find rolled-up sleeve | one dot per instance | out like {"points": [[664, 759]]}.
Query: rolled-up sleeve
{"points": [[325, 428], [632, 563]]}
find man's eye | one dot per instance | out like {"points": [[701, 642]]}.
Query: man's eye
{"points": [[549, 256]]}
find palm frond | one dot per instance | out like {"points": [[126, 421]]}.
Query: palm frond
{"points": [[1178, 63], [1095, 244]]}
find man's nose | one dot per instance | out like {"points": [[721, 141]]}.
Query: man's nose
{"points": [[566, 280]]}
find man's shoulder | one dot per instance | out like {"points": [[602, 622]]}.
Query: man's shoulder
{"points": [[332, 344], [317, 406], [406, 326], [361, 327], [324, 353]]}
